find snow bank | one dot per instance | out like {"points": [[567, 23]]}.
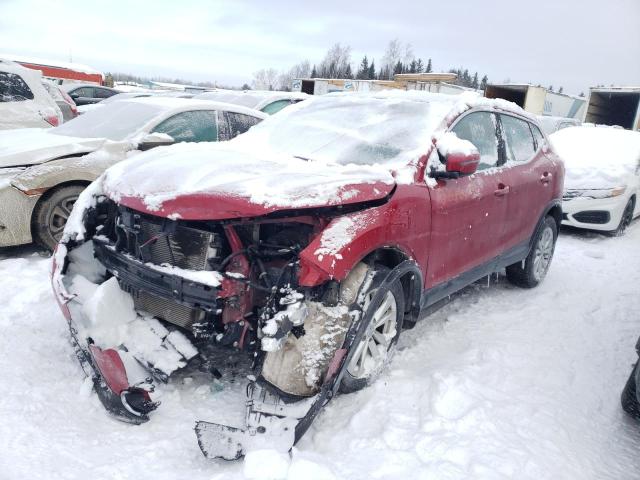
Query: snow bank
{"points": [[597, 157]]}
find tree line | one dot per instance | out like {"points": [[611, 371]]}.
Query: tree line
{"points": [[337, 63]]}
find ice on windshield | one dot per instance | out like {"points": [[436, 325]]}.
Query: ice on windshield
{"points": [[352, 129], [116, 121]]}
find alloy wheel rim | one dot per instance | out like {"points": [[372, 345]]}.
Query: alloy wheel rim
{"points": [[59, 216], [373, 350], [543, 254]]}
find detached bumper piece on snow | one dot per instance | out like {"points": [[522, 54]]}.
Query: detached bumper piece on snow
{"points": [[127, 403]]}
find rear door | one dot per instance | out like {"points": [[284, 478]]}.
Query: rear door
{"points": [[468, 213], [529, 173]]}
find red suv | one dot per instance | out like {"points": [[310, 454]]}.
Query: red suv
{"points": [[309, 243]]}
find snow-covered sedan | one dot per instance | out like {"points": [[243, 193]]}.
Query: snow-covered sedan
{"points": [[42, 172], [602, 182], [266, 101], [306, 244]]}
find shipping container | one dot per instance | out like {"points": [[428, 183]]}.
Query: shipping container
{"points": [[539, 100], [614, 106]]}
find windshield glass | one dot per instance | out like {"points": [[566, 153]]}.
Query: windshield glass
{"points": [[352, 128], [115, 121]]}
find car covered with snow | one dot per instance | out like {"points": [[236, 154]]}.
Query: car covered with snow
{"points": [[42, 172], [24, 101], [603, 177], [551, 124], [307, 244], [266, 101]]}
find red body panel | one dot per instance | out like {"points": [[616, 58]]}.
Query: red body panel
{"points": [[221, 206], [65, 73], [110, 365]]}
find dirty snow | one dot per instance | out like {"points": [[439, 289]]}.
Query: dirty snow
{"points": [[597, 157], [501, 383]]}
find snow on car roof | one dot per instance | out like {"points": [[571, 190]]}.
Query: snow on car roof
{"points": [[597, 157], [251, 98], [169, 103]]}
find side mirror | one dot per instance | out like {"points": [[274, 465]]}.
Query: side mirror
{"points": [[156, 139], [461, 157], [463, 163], [75, 96]]}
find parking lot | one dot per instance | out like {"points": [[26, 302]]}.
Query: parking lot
{"points": [[500, 383]]}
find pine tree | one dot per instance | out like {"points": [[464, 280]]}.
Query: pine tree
{"points": [[399, 68], [484, 82], [413, 66], [363, 72], [419, 66], [428, 70], [314, 72], [550, 88], [372, 71], [560, 90], [474, 82], [347, 72], [582, 94], [466, 79]]}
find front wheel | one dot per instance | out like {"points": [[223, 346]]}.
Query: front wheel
{"points": [[374, 350], [51, 215], [625, 220], [530, 272]]}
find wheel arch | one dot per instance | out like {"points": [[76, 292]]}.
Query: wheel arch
{"points": [[50, 191]]}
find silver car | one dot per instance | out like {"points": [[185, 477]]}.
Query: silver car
{"points": [[42, 172]]}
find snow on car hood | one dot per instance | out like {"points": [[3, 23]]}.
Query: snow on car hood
{"points": [[32, 146], [597, 157], [206, 181]]}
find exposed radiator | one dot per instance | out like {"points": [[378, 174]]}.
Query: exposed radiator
{"points": [[185, 248], [168, 310]]}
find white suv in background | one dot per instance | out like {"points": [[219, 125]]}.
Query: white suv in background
{"points": [[24, 102]]}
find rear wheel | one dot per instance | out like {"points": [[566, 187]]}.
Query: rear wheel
{"points": [[629, 397], [374, 350], [51, 215], [625, 221], [530, 272]]}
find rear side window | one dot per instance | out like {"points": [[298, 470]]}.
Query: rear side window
{"points": [[276, 106], [480, 129], [537, 136], [86, 92], [194, 126], [519, 144], [13, 88], [236, 124], [103, 93]]}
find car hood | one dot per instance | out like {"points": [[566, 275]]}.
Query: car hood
{"points": [[32, 146], [217, 181]]}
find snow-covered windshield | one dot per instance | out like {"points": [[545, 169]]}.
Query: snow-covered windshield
{"points": [[115, 121], [352, 128]]}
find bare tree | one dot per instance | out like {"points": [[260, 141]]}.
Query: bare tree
{"points": [[335, 62], [265, 79], [300, 70]]}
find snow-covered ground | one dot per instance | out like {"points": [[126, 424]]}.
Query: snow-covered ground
{"points": [[500, 383]]}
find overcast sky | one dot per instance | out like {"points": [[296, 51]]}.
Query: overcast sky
{"points": [[573, 43]]}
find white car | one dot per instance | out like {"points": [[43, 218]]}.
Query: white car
{"points": [[264, 100], [24, 102], [602, 181], [42, 172]]}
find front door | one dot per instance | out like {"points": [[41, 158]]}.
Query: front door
{"points": [[468, 213]]}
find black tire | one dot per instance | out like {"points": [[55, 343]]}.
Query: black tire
{"points": [[531, 274], [352, 383], [625, 220], [629, 397], [51, 214]]}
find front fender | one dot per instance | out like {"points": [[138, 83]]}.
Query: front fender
{"points": [[86, 168], [348, 239]]}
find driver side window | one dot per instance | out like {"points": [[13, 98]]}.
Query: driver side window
{"points": [[479, 128], [194, 126]]}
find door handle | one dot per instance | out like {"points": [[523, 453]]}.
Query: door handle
{"points": [[546, 177], [502, 190]]}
